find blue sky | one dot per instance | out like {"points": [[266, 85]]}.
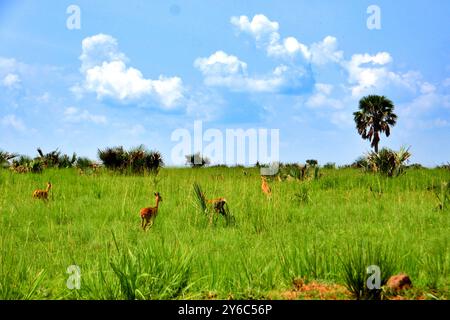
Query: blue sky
{"points": [[136, 71]]}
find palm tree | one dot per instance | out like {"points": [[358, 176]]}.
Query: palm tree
{"points": [[375, 115]]}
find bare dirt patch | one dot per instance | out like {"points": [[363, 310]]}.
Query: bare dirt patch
{"points": [[313, 290]]}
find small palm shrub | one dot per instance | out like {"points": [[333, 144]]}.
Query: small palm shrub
{"points": [[55, 159], [444, 166], [295, 170], [36, 166], [24, 164], [141, 160], [136, 160], [197, 160], [153, 161], [114, 158], [20, 164], [329, 165], [65, 161], [415, 166], [50, 159], [22, 160], [388, 162], [83, 163], [360, 163]]}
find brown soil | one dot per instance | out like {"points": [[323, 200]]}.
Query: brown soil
{"points": [[314, 291]]}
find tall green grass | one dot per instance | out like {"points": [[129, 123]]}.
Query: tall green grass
{"points": [[308, 229]]}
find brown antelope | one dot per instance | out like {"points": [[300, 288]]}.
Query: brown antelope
{"points": [[265, 186], [148, 215], [218, 205], [42, 194]]}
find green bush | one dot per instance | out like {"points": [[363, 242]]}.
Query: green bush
{"points": [[355, 265], [136, 160], [329, 165], [55, 159], [361, 163], [83, 163], [114, 158], [197, 160], [158, 272], [388, 162]]}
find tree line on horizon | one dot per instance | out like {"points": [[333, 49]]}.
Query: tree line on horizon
{"points": [[375, 116]]}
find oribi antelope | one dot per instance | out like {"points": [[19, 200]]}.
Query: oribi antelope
{"points": [[149, 214]]}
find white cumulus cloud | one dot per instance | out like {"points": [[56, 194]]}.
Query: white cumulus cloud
{"points": [[326, 51], [220, 63], [224, 70], [371, 73], [267, 36], [107, 74], [113, 79], [260, 27]]}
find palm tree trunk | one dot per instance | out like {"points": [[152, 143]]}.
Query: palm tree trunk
{"points": [[376, 140]]}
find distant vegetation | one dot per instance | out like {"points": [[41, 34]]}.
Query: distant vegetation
{"points": [[139, 160], [135, 160], [197, 160]]}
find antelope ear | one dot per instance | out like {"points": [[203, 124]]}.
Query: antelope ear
{"points": [[155, 193]]}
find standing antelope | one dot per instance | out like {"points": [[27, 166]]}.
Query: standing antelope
{"points": [[42, 194], [149, 214], [265, 186]]}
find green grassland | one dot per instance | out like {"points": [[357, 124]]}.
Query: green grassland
{"points": [[307, 229]]}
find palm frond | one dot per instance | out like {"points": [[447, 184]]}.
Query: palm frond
{"points": [[200, 196]]}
